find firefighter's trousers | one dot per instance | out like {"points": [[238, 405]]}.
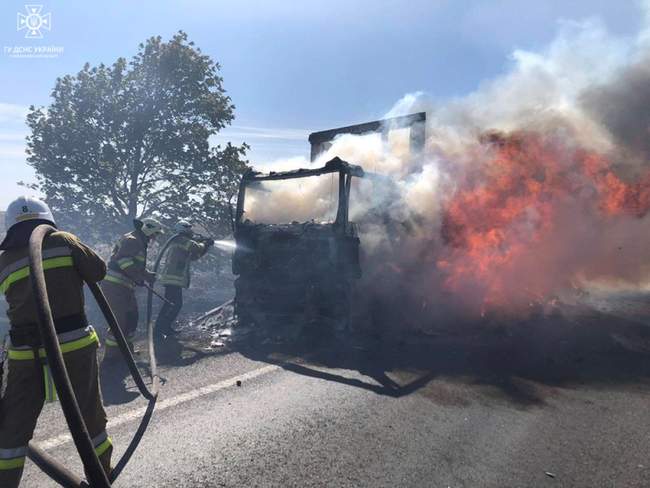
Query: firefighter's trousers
{"points": [[122, 300], [169, 313], [29, 383]]}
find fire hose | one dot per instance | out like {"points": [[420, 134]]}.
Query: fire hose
{"points": [[94, 471], [161, 253]]}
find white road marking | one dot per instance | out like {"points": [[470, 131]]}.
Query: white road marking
{"points": [[165, 404]]}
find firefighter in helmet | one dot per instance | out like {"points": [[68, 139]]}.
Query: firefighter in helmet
{"points": [[67, 264], [176, 273], [127, 268]]}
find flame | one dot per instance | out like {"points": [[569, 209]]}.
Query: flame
{"points": [[500, 223]]}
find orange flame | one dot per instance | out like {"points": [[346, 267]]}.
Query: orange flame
{"points": [[505, 210]]}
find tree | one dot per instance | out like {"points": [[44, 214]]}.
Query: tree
{"points": [[133, 139]]}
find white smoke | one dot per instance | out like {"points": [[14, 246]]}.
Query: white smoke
{"points": [[564, 92]]}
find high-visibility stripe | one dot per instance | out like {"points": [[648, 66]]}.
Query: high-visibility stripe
{"points": [[13, 458], [113, 278], [125, 263], [73, 335], [170, 277], [168, 280], [53, 252], [8, 464], [22, 355], [177, 276], [15, 266], [22, 273], [99, 438], [14, 452], [63, 337], [101, 443], [172, 282], [142, 259], [111, 342], [103, 447], [50, 387]]}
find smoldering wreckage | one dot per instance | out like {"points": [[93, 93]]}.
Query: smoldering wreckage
{"points": [[528, 196], [297, 271], [303, 275], [492, 252]]}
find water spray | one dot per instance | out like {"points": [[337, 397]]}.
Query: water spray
{"points": [[226, 245]]}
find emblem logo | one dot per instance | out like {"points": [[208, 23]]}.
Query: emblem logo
{"points": [[34, 22]]}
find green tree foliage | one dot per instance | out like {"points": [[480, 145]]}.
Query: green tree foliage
{"points": [[132, 140]]}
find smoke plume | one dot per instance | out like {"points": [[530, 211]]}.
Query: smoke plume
{"points": [[529, 190]]}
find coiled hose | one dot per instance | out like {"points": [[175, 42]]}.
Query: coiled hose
{"points": [[94, 471]]}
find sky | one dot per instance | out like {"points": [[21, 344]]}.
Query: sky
{"points": [[290, 67]]}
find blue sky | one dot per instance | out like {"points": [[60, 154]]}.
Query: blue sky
{"points": [[291, 67]]}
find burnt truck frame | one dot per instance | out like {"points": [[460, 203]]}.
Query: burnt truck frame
{"points": [[307, 271], [297, 272]]}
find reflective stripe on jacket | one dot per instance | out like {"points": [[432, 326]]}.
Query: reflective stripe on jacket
{"points": [[73, 340], [69, 341], [118, 279], [176, 270], [128, 262], [67, 263]]}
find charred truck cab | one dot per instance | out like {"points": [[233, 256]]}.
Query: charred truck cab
{"points": [[300, 272]]}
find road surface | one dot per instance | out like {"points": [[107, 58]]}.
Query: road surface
{"points": [[550, 403]]}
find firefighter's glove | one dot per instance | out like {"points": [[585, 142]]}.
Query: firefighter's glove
{"points": [[209, 242]]}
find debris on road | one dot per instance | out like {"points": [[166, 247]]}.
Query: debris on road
{"points": [[214, 311], [549, 474]]}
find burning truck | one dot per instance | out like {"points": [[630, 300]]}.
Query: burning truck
{"points": [[296, 271], [300, 270]]}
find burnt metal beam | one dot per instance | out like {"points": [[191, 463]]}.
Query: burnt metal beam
{"points": [[334, 165], [414, 121]]}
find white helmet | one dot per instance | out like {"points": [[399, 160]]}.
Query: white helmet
{"points": [[150, 227], [24, 208], [183, 227]]}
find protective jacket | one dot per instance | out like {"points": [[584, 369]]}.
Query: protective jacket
{"points": [[176, 269], [66, 262], [126, 269], [127, 265]]}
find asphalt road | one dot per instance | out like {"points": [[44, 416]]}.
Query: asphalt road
{"points": [[550, 403]]}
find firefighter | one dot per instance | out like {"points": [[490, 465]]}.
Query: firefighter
{"points": [[176, 274], [126, 270], [67, 262]]}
